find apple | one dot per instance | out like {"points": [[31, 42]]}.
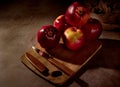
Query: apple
{"points": [[48, 37], [73, 38], [92, 29], [77, 14], [60, 23]]}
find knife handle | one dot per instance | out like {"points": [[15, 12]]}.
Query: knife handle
{"points": [[61, 66], [37, 64], [54, 62]]}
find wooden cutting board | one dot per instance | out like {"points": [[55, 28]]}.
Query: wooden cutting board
{"points": [[74, 60]]}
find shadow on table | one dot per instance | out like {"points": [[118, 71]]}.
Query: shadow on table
{"points": [[108, 56]]}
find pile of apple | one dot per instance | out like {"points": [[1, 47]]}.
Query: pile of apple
{"points": [[75, 27]]}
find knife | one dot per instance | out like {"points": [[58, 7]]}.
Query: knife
{"points": [[37, 64], [59, 65]]}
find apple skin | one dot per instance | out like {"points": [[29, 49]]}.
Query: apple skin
{"points": [[77, 14], [48, 37], [60, 23], [92, 29], [73, 38]]}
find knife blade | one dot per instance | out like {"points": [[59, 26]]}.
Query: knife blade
{"points": [[59, 65], [37, 64]]}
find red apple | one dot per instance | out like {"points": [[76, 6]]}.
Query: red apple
{"points": [[73, 38], [60, 23], [77, 14], [92, 29], [48, 37]]}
